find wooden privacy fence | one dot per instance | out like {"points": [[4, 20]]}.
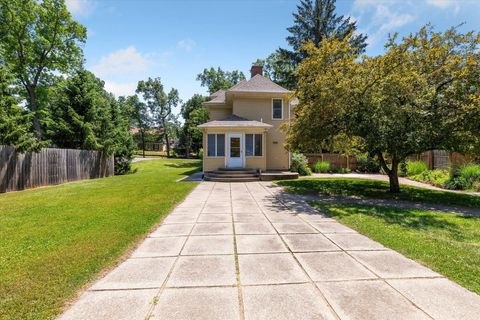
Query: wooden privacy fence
{"points": [[435, 159], [50, 166]]}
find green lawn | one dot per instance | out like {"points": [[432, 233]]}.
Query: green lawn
{"points": [[447, 243], [54, 240], [377, 190]]}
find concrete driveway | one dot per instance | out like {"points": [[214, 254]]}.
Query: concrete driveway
{"points": [[250, 251]]}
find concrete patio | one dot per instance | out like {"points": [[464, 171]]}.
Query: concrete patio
{"points": [[251, 251]]}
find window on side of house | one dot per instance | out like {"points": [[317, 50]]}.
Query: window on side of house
{"points": [[216, 145], [277, 109], [253, 145]]}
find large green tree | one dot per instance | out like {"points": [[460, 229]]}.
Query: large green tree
{"points": [[217, 79], [38, 38], [423, 93], [314, 21], [15, 122], [140, 117], [160, 105], [193, 113]]}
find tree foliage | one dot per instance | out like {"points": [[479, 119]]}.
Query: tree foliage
{"points": [[37, 39], [15, 122], [314, 21], [217, 79], [193, 113], [422, 94], [160, 105]]}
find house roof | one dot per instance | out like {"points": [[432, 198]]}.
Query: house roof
{"points": [[234, 121], [257, 84]]}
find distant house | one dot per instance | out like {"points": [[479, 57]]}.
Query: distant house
{"points": [[244, 131]]}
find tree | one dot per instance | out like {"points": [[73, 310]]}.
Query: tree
{"points": [[39, 38], [217, 79], [124, 146], [194, 114], [140, 116], [160, 105], [15, 123], [314, 21], [422, 94], [80, 110]]}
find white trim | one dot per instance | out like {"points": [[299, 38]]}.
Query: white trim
{"points": [[281, 99], [241, 135]]}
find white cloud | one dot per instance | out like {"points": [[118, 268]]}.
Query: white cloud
{"points": [[80, 7], [383, 17], [120, 89], [126, 61], [186, 44], [445, 4]]}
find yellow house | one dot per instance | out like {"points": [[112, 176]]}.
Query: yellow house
{"points": [[243, 137]]}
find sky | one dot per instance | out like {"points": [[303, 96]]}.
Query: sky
{"points": [[131, 40]]}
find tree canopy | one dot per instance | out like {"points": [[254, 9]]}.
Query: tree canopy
{"points": [[314, 21], [422, 94], [37, 39], [217, 79], [193, 114], [160, 105]]}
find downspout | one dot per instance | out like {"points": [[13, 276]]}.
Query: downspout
{"points": [[289, 153]]}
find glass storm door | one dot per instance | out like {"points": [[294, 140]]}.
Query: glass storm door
{"points": [[235, 150]]}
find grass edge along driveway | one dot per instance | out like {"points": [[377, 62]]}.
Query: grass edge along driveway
{"points": [[446, 243], [372, 189], [55, 240]]}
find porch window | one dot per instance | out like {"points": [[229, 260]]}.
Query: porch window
{"points": [[216, 145], [253, 145], [277, 109]]}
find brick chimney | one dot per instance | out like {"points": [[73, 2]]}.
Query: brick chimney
{"points": [[256, 69]]}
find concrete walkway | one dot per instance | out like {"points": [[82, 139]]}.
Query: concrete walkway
{"points": [[251, 251]]}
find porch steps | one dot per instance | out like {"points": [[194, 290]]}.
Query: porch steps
{"points": [[232, 175]]}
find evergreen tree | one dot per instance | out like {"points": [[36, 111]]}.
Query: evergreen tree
{"points": [[315, 20], [15, 122]]}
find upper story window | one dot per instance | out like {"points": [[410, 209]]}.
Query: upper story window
{"points": [[216, 145], [277, 109]]}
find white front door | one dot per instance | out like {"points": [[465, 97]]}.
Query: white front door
{"points": [[235, 150]]}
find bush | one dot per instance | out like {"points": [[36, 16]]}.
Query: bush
{"points": [[465, 177], [342, 170], [200, 153], [367, 164], [321, 167], [300, 164], [434, 177], [415, 167]]}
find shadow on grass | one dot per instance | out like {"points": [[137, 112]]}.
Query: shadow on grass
{"points": [[418, 220], [377, 190]]}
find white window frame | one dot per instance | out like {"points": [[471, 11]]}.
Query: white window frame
{"points": [[281, 99], [216, 145]]}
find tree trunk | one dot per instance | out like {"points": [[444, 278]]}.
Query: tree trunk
{"points": [[32, 101], [143, 142], [392, 173]]}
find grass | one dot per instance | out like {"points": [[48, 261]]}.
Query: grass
{"points": [[139, 153], [54, 240], [445, 242], [377, 190]]}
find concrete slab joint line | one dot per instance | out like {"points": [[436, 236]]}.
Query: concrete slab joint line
{"points": [[251, 251]]}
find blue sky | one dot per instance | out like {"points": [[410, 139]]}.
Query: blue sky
{"points": [[130, 40]]}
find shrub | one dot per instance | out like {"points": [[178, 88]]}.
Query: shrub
{"points": [[367, 164], [342, 170], [464, 177], [300, 164], [321, 167], [200, 153], [434, 177], [415, 167]]}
